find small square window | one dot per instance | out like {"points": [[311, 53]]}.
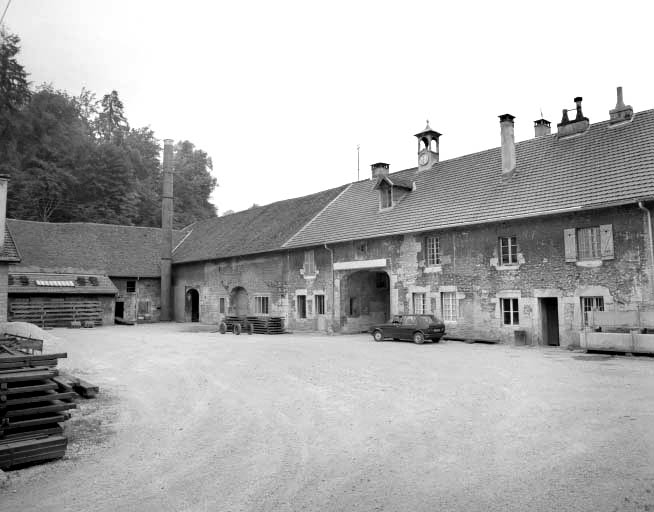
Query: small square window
{"points": [[510, 314], [130, 286]]}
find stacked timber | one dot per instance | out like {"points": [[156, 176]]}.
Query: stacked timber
{"points": [[266, 324], [32, 406], [57, 314]]}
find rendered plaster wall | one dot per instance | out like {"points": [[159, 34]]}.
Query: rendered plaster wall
{"points": [[3, 292]]}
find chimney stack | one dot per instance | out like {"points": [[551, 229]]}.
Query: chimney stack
{"points": [[542, 127], [4, 179], [508, 144], [167, 232], [579, 125], [379, 169], [621, 112]]}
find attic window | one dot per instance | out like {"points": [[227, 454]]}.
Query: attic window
{"points": [[130, 286], [10, 280], [81, 281], [385, 195], [24, 281], [94, 281]]}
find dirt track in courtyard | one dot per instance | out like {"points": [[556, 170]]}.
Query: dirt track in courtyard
{"points": [[199, 421]]}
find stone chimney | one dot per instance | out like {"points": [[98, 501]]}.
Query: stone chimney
{"points": [[379, 169], [621, 112], [579, 125], [4, 180], [542, 127], [508, 144], [167, 232]]}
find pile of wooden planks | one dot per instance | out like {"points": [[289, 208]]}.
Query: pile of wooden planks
{"points": [[56, 314], [32, 406], [267, 324]]}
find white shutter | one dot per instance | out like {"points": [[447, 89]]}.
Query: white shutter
{"points": [[570, 241], [606, 241]]}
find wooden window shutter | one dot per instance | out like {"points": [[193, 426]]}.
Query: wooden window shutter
{"points": [[570, 241], [606, 241]]}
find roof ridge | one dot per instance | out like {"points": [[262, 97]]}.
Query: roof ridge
{"points": [[345, 188], [78, 223]]}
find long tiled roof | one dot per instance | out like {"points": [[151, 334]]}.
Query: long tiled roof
{"points": [[67, 284], [257, 230], [605, 165], [120, 251]]}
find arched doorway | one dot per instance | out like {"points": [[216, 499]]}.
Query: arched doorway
{"points": [[365, 300], [238, 302], [192, 308]]}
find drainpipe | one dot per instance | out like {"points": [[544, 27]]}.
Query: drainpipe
{"points": [[651, 245], [331, 252]]}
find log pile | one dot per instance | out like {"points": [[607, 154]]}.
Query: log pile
{"points": [[32, 405]]}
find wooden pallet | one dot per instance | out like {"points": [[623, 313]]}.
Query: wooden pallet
{"points": [[267, 324], [23, 451]]}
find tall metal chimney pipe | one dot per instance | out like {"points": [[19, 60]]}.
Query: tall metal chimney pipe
{"points": [[167, 232]]}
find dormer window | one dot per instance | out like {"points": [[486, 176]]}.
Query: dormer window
{"points": [[392, 190], [385, 195]]}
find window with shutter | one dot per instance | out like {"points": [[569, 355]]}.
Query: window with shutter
{"points": [[570, 243], [606, 241], [309, 263]]}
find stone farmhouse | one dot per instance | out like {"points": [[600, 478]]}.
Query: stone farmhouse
{"points": [[530, 236]]}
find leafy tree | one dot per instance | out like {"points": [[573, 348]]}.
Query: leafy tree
{"points": [[87, 105], [14, 94], [192, 186], [112, 123]]}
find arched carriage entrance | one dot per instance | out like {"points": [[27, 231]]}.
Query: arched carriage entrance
{"points": [[238, 302], [192, 306], [365, 300]]}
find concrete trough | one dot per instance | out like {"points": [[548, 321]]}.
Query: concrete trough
{"points": [[618, 342]]}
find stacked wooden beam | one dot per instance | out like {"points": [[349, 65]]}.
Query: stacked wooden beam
{"points": [[32, 406], [56, 314], [267, 324]]}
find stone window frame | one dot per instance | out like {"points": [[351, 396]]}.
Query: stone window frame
{"points": [[594, 303], [422, 309], [508, 250], [319, 303], [514, 313], [259, 302], [453, 299], [432, 251]]}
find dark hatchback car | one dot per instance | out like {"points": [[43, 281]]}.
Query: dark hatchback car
{"points": [[416, 328]]}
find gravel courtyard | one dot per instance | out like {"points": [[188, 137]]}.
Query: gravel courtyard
{"points": [[189, 420]]}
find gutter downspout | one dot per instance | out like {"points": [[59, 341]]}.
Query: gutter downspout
{"points": [[651, 246], [331, 252]]}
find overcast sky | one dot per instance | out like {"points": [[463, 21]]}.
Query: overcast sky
{"points": [[280, 93]]}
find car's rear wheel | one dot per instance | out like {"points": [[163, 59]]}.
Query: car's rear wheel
{"points": [[378, 336], [418, 338]]}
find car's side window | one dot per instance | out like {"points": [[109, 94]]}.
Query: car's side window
{"points": [[423, 322], [409, 320]]}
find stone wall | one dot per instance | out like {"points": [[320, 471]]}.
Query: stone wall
{"points": [[470, 273], [143, 304]]}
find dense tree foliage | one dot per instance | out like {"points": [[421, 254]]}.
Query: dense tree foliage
{"points": [[76, 158]]}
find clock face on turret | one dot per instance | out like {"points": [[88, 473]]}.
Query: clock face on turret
{"points": [[423, 158]]}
